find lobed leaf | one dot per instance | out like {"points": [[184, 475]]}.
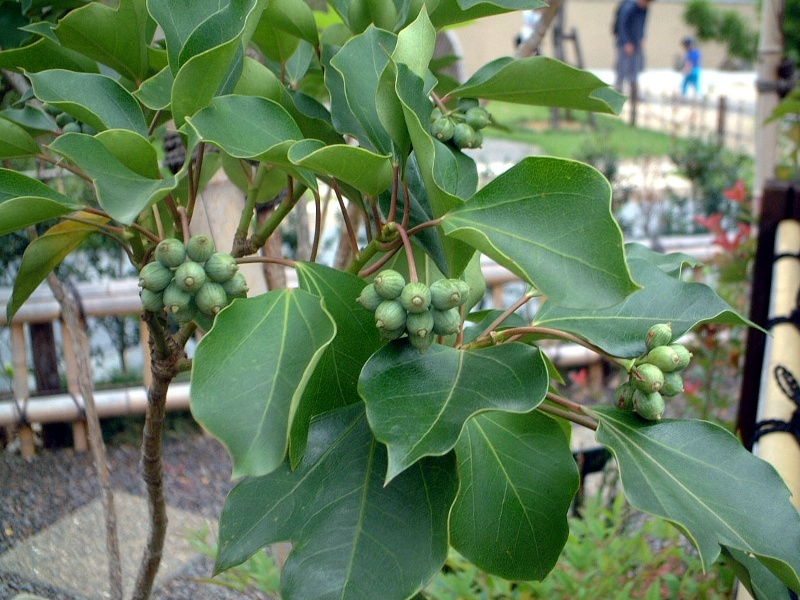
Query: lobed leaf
{"points": [[250, 371], [518, 479], [549, 221], [699, 477], [353, 537], [417, 403]]}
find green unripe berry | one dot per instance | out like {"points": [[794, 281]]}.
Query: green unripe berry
{"points": [[392, 334], [88, 129], [220, 267], [419, 324], [658, 335], [421, 343], [389, 284], [464, 104], [649, 406], [416, 297], [446, 322], [170, 252], [673, 384], [436, 114], [71, 128], [647, 377], [623, 396], [175, 298], [211, 298], [63, 119], [189, 276], [151, 301], [200, 247], [51, 109], [664, 357], [389, 315], [370, 298], [155, 277], [477, 117], [186, 314], [442, 129], [236, 286], [448, 293], [464, 136], [684, 356]]}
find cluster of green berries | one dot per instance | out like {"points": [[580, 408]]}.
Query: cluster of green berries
{"points": [[67, 122], [416, 309], [656, 374], [462, 126], [191, 278]]}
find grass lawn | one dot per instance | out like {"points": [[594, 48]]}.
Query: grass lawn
{"points": [[531, 124]]}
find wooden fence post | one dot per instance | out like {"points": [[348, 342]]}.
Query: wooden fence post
{"points": [[722, 113]]}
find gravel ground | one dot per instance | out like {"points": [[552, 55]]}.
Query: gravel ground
{"points": [[36, 493]]}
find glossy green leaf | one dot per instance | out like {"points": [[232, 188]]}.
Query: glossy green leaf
{"points": [[94, 99], [758, 579], [549, 221], [354, 538], [292, 16], [121, 192], [518, 479], [698, 476], [258, 80], [250, 371], [15, 142], [359, 64], [367, 172], [156, 92], [116, 37], [233, 20], [620, 330], [43, 255], [417, 403], [203, 77], [449, 12], [541, 81], [25, 201], [335, 380], [672, 264], [132, 150], [45, 54], [31, 118]]}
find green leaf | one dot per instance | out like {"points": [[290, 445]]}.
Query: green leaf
{"points": [[15, 141], [258, 80], [116, 37], [292, 16], [449, 12], [541, 81], [699, 477], [250, 371], [367, 172], [94, 99], [354, 538], [247, 127], [549, 221], [759, 581], [31, 118], [518, 479], [132, 150], [43, 255], [121, 192], [359, 64], [620, 330], [45, 54], [417, 403], [672, 264], [156, 92], [25, 201], [335, 380]]}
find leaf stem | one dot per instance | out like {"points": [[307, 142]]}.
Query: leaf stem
{"points": [[526, 297], [351, 234], [412, 267], [201, 152], [317, 226], [395, 190], [565, 402], [569, 416], [66, 166], [157, 219], [246, 217], [275, 219]]}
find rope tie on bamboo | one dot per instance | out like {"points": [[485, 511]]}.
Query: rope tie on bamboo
{"points": [[793, 317], [790, 387], [80, 406]]}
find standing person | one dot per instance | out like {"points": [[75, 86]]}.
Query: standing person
{"points": [[629, 28], [691, 67]]}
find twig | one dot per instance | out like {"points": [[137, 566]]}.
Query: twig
{"points": [[565, 402], [154, 122], [201, 152], [317, 226], [412, 267], [157, 219], [407, 205], [526, 297], [351, 234], [135, 226], [184, 223], [66, 167], [395, 190]]}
